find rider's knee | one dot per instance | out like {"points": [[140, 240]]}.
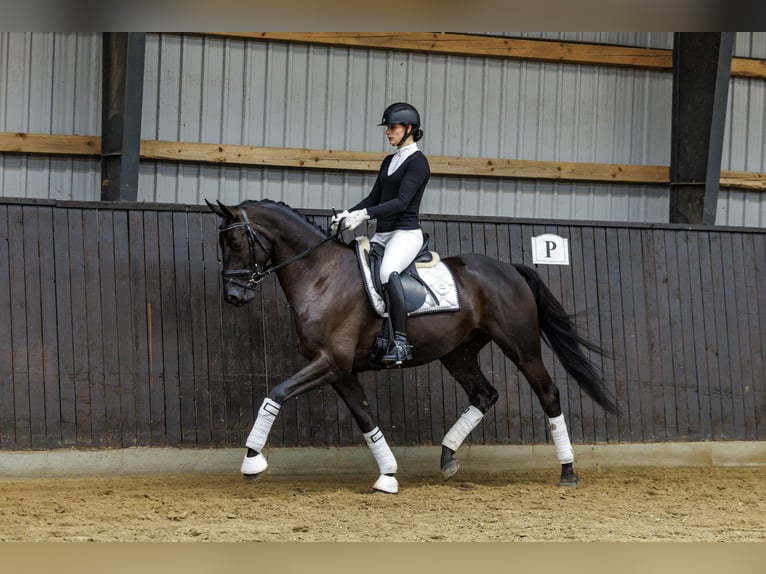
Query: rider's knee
{"points": [[386, 272]]}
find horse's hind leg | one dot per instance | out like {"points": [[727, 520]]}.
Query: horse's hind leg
{"points": [[548, 394], [463, 365], [352, 393], [518, 336]]}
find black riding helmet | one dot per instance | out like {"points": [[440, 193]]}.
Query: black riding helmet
{"points": [[403, 113]]}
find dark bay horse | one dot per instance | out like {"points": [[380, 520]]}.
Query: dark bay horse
{"points": [[336, 327]]}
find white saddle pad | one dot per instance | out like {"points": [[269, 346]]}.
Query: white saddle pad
{"points": [[437, 276]]}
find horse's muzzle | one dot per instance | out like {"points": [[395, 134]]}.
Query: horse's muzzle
{"points": [[238, 291], [234, 300], [238, 296]]}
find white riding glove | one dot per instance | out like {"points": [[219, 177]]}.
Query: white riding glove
{"points": [[335, 221], [355, 218]]}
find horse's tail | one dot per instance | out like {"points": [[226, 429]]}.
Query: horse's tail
{"points": [[559, 333]]}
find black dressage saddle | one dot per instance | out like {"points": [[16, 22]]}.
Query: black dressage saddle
{"points": [[415, 289]]}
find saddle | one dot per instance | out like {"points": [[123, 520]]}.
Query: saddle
{"points": [[415, 289], [427, 282]]}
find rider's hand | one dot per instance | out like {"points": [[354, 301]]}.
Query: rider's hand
{"points": [[355, 218], [335, 221]]}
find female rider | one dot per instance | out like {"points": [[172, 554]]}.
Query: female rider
{"points": [[394, 202]]}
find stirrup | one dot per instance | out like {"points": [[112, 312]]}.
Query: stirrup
{"points": [[399, 352]]}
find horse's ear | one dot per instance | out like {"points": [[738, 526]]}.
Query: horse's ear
{"points": [[214, 208], [221, 210]]}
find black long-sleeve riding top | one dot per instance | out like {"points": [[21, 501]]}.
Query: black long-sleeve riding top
{"points": [[395, 199]]}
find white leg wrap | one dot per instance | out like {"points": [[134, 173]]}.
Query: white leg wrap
{"points": [[558, 428], [381, 451], [262, 426], [463, 426]]}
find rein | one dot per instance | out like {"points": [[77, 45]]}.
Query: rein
{"points": [[256, 275]]}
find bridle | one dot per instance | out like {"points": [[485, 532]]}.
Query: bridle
{"points": [[255, 274]]}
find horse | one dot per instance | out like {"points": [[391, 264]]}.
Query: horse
{"points": [[508, 304]]}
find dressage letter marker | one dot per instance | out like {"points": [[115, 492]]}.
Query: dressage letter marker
{"points": [[550, 249]]}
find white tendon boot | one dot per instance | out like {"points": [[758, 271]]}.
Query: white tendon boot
{"points": [[558, 428], [385, 459], [258, 436], [455, 436], [463, 426]]}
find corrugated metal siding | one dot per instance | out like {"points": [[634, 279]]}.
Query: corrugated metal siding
{"points": [[275, 94], [750, 45], [744, 145], [50, 83]]}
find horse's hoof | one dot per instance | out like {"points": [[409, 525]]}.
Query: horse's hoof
{"points": [[569, 481], [387, 484], [252, 466], [449, 469]]}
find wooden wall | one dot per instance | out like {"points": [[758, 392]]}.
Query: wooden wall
{"points": [[115, 335]]}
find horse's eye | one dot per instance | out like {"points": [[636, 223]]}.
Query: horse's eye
{"points": [[236, 244]]}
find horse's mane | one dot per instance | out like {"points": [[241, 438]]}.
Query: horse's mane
{"points": [[282, 204]]}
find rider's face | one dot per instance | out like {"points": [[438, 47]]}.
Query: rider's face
{"points": [[395, 133]]}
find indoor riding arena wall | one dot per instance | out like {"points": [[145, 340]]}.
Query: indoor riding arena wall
{"points": [[115, 335]]}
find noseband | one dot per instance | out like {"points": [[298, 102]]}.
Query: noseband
{"points": [[256, 275]]}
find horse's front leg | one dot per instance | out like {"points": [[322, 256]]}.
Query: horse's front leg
{"points": [[318, 372], [353, 395]]}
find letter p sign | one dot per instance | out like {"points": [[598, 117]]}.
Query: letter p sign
{"points": [[550, 249]]}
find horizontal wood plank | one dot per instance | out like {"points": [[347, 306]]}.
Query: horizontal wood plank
{"points": [[49, 144], [458, 166], [476, 45], [497, 47], [743, 180], [370, 162], [748, 68]]}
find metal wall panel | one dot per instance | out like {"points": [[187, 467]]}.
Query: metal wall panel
{"points": [[750, 45], [276, 94], [208, 89], [744, 145], [50, 83]]}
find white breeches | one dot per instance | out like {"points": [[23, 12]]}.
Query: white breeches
{"points": [[401, 248]]}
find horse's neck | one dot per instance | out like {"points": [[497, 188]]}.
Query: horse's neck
{"points": [[289, 244], [288, 234], [324, 265], [292, 237]]}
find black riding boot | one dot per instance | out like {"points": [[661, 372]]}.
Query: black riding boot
{"points": [[399, 349]]}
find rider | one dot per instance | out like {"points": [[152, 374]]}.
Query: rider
{"points": [[395, 203]]}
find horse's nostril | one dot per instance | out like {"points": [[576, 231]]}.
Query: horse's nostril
{"points": [[233, 299]]}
